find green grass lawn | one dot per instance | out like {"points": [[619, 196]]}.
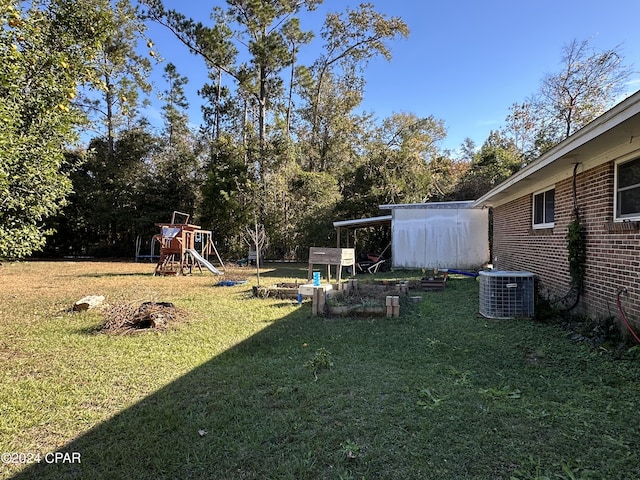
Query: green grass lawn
{"points": [[259, 389]]}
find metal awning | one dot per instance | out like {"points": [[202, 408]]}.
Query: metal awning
{"points": [[360, 223], [364, 222]]}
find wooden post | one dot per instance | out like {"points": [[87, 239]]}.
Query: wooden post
{"points": [[314, 303], [395, 304], [318, 301]]}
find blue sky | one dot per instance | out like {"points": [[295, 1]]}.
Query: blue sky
{"points": [[465, 62]]}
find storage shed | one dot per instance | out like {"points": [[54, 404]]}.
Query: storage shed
{"points": [[439, 235]]}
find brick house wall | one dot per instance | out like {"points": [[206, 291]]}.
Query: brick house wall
{"points": [[613, 249]]}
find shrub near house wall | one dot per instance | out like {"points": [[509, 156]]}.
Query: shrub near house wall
{"points": [[613, 249]]}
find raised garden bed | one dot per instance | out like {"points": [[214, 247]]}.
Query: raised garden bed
{"points": [[356, 310], [433, 283], [365, 299]]}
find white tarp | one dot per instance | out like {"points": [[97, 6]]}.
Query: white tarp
{"points": [[439, 235]]}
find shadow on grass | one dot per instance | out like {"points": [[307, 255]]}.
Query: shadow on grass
{"points": [[236, 416], [436, 393], [113, 275]]}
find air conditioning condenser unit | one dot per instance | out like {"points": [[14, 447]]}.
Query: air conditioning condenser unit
{"points": [[506, 294]]}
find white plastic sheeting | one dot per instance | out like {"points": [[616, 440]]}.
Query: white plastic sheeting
{"points": [[439, 235]]}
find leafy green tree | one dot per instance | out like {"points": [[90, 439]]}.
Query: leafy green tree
{"points": [[446, 174], [396, 165], [109, 205], [300, 204], [335, 139], [497, 160], [46, 50], [226, 195], [258, 124], [315, 196]]}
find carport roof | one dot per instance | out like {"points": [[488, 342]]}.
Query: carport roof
{"points": [[363, 222]]}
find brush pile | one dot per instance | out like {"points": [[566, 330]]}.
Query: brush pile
{"points": [[129, 318]]}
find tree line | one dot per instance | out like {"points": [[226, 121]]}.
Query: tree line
{"points": [[281, 143]]}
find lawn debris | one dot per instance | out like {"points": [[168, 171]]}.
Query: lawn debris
{"points": [[88, 302], [129, 318]]}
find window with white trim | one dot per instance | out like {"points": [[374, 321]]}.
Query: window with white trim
{"points": [[543, 208], [627, 200]]}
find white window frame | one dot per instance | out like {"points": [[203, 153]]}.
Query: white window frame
{"points": [[626, 218], [533, 209]]}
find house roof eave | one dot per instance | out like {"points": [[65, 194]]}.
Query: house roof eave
{"points": [[591, 142]]}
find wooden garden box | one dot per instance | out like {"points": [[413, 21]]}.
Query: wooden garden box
{"points": [[339, 257]]}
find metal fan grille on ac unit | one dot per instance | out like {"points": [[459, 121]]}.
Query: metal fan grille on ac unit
{"points": [[505, 294]]}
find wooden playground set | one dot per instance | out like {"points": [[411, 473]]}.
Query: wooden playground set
{"points": [[183, 247]]}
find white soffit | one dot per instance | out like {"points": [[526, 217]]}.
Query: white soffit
{"points": [[611, 136]]}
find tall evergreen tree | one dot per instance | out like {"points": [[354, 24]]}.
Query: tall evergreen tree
{"points": [[175, 115], [112, 100], [263, 30], [176, 180], [109, 206]]}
